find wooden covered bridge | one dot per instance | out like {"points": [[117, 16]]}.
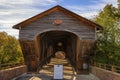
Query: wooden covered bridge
{"points": [[57, 29]]}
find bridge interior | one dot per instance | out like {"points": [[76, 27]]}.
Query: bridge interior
{"points": [[53, 41]]}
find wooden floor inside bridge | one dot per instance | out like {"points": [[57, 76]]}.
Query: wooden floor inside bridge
{"points": [[46, 73]]}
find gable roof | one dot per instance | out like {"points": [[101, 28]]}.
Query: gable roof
{"points": [[84, 20]]}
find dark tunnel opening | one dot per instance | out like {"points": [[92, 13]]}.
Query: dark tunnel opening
{"points": [[53, 41]]}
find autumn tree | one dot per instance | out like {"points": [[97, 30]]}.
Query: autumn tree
{"points": [[10, 51]]}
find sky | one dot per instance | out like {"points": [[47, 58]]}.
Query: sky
{"points": [[15, 11]]}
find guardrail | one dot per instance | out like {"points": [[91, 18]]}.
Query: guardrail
{"points": [[10, 65], [112, 68]]}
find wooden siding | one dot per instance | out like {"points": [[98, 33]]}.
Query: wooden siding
{"points": [[85, 50], [38, 40], [46, 24], [30, 56]]}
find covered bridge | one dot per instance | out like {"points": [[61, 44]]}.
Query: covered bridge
{"points": [[57, 29]]}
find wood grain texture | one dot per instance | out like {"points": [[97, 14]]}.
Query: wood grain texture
{"points": [[46, 23], [30, 56], [38, 40]]}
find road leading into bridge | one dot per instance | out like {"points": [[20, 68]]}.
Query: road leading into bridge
{"points": [[46, 73]]}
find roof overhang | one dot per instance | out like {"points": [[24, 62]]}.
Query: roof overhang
{"points": [[84, 20]]}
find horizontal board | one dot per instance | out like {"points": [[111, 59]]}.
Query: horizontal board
{"points": [[46, 23]]}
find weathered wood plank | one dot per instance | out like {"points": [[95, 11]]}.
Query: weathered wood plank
{"points": [[39, 43], [30, 56], [46, 22]]}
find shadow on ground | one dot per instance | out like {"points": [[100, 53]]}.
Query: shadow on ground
{"points": [[46, 73]]}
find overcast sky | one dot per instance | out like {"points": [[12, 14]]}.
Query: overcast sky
{"points": [[15, 11]]}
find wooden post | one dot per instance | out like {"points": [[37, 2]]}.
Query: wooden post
{"points": [[99, 65], [104, 66], [94, 64], [113, 69], [0, 66]]}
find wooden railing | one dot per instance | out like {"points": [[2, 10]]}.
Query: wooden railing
{"points": [[112, 68], [9, 65]]}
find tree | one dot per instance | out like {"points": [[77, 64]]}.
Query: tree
{"points": [[108, 44], [10, 51]]}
